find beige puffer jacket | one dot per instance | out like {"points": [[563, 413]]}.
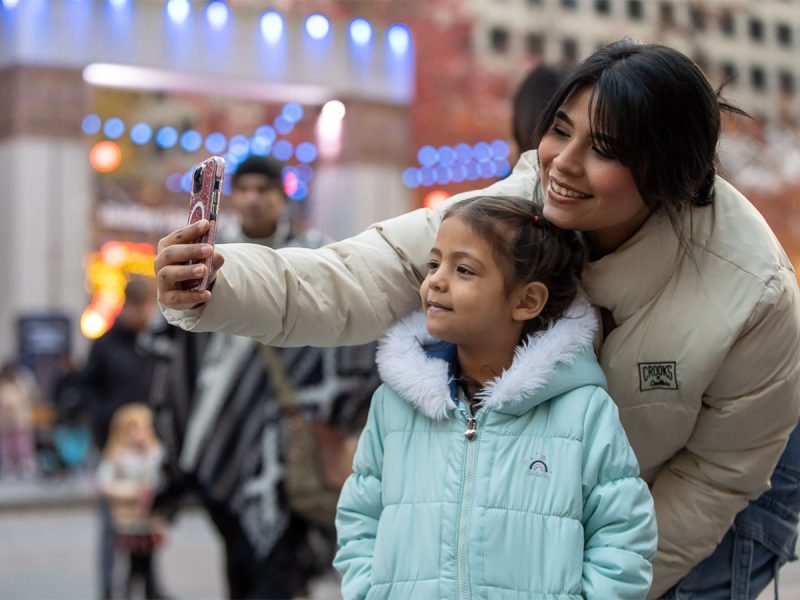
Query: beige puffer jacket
{"points": [[704, 362]]}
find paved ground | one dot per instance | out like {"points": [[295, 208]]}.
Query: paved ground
{"points": [[48, 553], [48, 532]]}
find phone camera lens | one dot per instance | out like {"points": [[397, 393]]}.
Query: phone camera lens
{"points": [[197, 180]]}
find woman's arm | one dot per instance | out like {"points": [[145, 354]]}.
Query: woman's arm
{"points": [[348, 292], [618, 515], [360, 506], [345, 293], [746, 417]]}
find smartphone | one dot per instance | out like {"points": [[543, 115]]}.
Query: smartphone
{"points": [[204, 204]]}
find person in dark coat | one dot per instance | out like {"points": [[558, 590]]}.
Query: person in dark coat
{"points": [[118, 371]]}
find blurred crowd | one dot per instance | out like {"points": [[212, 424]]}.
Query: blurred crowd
{"points": [[261, 438]]}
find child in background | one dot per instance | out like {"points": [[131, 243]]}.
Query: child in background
{"points": [[127, 477], [17, 423], [493, 463]]}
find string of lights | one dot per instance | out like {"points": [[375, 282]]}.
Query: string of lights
{"points": [[446, 164]]}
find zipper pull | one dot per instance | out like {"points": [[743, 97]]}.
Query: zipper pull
{"points": [[472, 432]]}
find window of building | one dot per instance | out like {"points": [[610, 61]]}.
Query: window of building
{"points": [[783, 32], [499, 39], [635, 9], [729, 73], [534, 44], [697, 17], [758, 79], [786, 82], [727, 24], [569, 51], [570, 4], [756, 28], [666, 14], [602, 7]]}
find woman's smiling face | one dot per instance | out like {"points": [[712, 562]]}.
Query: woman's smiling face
{"points": [[584, 189]]}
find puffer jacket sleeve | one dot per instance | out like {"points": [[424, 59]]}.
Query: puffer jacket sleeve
{"points": [[345, 293], [360, 506], [619, 522], [746, 417]]}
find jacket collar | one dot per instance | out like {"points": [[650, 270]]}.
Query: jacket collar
{"points": [[419, 366], [637, 271]]}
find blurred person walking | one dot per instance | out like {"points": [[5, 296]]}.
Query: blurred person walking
{"points": [[17, 426], [127, 478], [222, 414], [118, 371], [528, 103]]}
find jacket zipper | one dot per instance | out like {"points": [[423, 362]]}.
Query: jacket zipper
{"points": [[467, 494]]}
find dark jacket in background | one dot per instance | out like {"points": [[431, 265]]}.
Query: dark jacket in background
{"points": [[118, 371]]}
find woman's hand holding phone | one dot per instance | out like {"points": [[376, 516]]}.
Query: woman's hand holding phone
{"points": [[186, 260], [172, 269]]}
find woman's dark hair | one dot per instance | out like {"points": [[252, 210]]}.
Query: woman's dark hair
{"points": [[652, 109], [537, 250]]}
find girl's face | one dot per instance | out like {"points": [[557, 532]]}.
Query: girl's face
{"points": [[584, 190], [137, 434], [464, 295]]}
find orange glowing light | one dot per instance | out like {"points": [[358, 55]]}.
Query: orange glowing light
{"points": [[435, 198], [107, 273], [105, 156], [93, 324]]}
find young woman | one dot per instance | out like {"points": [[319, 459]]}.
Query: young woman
{"points": [[492, 439], [701, 318]]}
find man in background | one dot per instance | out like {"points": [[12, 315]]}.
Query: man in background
{"points": [[219, 415]]}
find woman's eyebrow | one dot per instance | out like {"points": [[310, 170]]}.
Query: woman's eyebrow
{"points": [[560, 114]]}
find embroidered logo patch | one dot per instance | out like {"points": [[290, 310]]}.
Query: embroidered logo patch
{"points": [[537, 467], [658, 376]]}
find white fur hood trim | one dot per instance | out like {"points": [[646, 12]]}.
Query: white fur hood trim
{"points": [[424, 382]]}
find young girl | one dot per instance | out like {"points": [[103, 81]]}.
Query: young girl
{"points": [[127, 477], [493, 463]]}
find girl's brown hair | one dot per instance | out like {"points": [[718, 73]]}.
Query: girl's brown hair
{"points": [[535, 251]]}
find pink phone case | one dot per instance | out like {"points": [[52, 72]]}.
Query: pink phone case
{"points": [[204, 204]]}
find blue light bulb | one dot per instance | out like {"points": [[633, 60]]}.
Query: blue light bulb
{"points": [[360, 32], [399, 38], [271, 26], [178, 10], [141, 133], [317, 26]]}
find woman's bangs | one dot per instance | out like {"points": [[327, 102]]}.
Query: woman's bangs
{"points": [[612, 124]]}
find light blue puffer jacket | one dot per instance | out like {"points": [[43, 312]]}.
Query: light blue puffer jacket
{"points": [[544, 502]]}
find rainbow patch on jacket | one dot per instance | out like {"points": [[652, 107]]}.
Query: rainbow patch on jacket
{"points": [[537, 467]]}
